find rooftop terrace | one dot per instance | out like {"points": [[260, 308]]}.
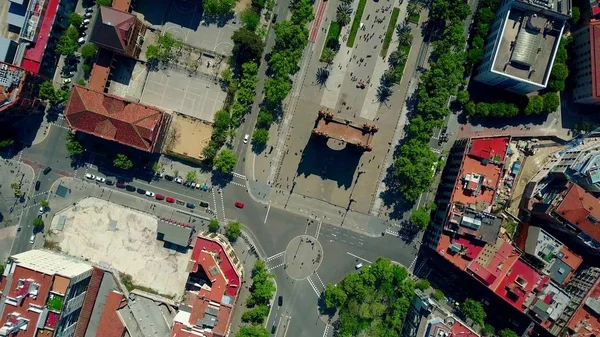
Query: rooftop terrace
{"points": [[528, 43]]}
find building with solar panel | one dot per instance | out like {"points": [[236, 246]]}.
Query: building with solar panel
{"points": [[522, 44]]}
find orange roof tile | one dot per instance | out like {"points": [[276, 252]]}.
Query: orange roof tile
{"points": [[581, 209], [114, 118], [110, 324]]}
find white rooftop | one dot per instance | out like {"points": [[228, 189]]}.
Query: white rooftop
{"points": [[51, 263]]}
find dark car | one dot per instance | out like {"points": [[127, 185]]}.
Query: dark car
{"points": [[168, 177], [274, 19], [109, 182], [274, 328], [203, 204], [280, 300], [141, 191], [37, 185], [190, 205], [47, 170], [121, 184], [130, 188]]}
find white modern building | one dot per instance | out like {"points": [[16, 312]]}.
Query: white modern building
{"points": [[522, 44]]}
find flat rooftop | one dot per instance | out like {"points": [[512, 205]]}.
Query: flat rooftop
{"points": [[11, 83], [528, 43]]}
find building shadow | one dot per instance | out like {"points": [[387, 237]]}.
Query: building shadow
{"points": [[319, 159], [186, 14]]}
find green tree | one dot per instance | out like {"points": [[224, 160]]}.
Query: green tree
{"points": [[122, 162], [302, 12], [421, 217], [422, 284], [67, 43], [328, 55], [551, 102], [535, 106], [343, 14], [7, 142], [47, 91], [250, 19], [45, 203], [438, 295], [260, 4], [462, 97], [1, 269], [397, 58], [277, 89], [87, 70], [106, 3], [38, 222], [191, 176], [252, 331], [218, 7], [233, 230], [248, 46], [227, 76], [156, 167], [213, 226], [413, 171], [473, 310], [264, 119], [575, 15], [507, 333], [260, 137], [225, 161], [488, 330], [256, 315], [559, 74], [88, 51], [335, 297], [75, 19]]}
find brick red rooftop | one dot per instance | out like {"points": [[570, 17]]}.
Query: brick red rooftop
{"points": [[581, 209], [114, 118], [489, 148]]}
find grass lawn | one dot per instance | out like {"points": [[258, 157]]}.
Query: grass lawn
{"points": [[333, 33], [390, 32], [414, 18], [405, 49], [356, 22]]}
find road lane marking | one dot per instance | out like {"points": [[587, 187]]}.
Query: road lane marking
{"points": [[222, 203], [238, 184], [391, 232], [267, 215], [271, 258], [318, 229], [326, 329], [215, 204], [323, 284], [360, 258], [312, 285], [277, 266], [241, 176]]}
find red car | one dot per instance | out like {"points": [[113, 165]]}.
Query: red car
{"points": [[239, 204], [159, 196], [120, 184], [171, 200]]}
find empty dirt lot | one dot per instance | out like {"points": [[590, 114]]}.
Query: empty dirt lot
{"points": [[131, 247]]}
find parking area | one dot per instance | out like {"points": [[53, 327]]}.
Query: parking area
{"points": [[174, 90], [104, 233], [184, 20]]}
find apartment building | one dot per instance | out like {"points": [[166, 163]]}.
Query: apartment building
{"points": [[586, 50]]}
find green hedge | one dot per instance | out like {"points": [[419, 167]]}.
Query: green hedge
{"points": [[356, 23], [390, 32]]}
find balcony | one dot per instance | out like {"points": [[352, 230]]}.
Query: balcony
{"points": [[55, 302]]}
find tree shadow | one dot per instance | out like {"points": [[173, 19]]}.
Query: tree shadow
{"points": [[220, 20], [383, 94], [258, 148], [219, 179], [322, 76]]}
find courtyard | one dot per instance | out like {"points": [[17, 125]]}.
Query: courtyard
{"points": [[121, 239]]}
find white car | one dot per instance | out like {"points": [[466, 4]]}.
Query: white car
{"points": [[86, 21], [179, 180], [89, 9], [90, 176], [150, 194], [32, 239], [100, 179], [81, 40], [66, 81], [41, 211], [246, 137], [87, 15]]}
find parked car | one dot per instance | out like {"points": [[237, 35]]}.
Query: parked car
{"points": [[159, 196], [67, 75], [37, 185], [81, 40], [109, 182], [274, 19], [141, 190], [87, 15], [66, 81], [358, 266], [246, 137], [190, 205], [100, 179], [121, 184], [130, 188], [203, 204], [82, 33], [171, 200], [179, 180], [239, 204], [198, 186], [32, 239], [41, 210], [47, 170], [150, 194], [280, 300], [86, 21], [89, 9], [90, 176], [168, 177]]}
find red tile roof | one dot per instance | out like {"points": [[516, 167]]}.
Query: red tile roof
{"points": [[595, 54], [518, 284], [114, 118], [580, 209], [585, 319], [490, 148], [32, 58], [121, 5], [110, 324]]}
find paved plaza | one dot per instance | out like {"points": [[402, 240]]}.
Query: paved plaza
{"points": [[104, 233], [199, 96], [322, 169]]}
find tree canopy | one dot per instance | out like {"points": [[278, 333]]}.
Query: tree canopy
{"points": [[260, 136], [507, 333], [421, 217], [473, 310], [248, 46], [373, 302], [233, 230], [75, 19], [67, 43], [122, 162], [225, 161], [252, 331], [218, 7], [414, 169], [88, 51], [213, 225]]}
